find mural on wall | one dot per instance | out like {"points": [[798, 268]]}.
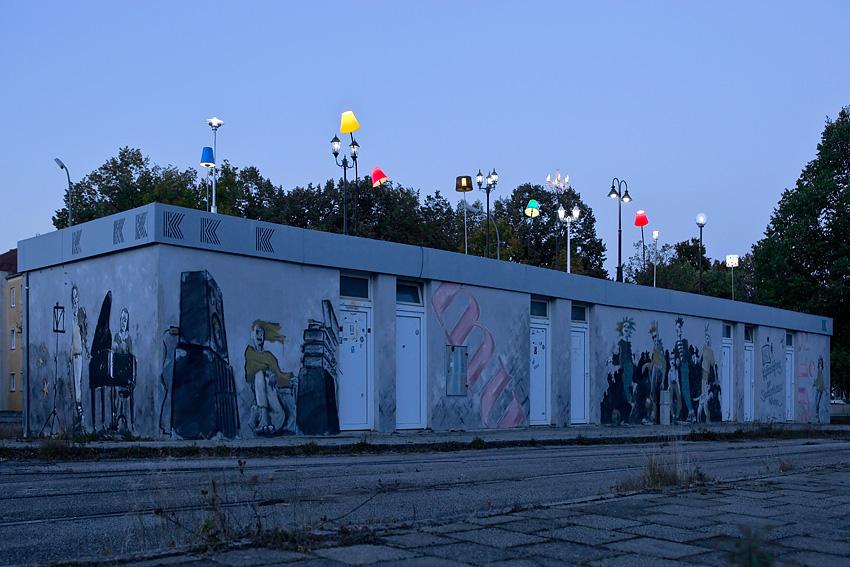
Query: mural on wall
{"points": [[634, 385], [820, 388], [79, 350], [499, 404], [273, 409], [317, 409], [771, 371]]}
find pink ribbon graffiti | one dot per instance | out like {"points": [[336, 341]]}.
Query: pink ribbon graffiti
{"points": [[442, 298]]}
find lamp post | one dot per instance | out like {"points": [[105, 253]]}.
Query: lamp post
{"points": [[378, 180], [348, 125], [70, 193], [701, 219], [476, 211], [620, 191], [208, 161], [463, 185], [642, 221], [215, 124], [570, 219], [655, 261], [731, 262], [532, 209], [492, 179]]}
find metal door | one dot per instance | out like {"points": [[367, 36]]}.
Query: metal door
{"points": [[789, 384], [749, 384], [579, 377], [539, 397], [353, 380], [410, 377], [726, 393]]}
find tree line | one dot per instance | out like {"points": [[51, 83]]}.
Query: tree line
{"points": [[801, 264]]}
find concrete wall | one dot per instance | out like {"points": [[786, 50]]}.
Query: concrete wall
{"points": [[213, 326]]}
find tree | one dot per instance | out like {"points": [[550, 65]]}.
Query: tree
{"points": [[803, 261]]}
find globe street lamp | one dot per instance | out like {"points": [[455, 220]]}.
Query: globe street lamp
{"points": [[620, 191], [570, 219], [655, 261], [70, 193], [348, 125], [492, 179], [701, 219], [215, 124], [532, 209]]}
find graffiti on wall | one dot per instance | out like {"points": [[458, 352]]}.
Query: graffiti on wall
{"points": [[812, 382], [771, 371], [688, 376], [496, 394]]}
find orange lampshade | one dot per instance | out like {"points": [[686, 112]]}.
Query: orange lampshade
{"points": [[378, 177], [463, 184], [640, 218], [348, 123]]}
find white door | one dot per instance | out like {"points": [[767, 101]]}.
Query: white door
{"points": [[749, 384], [579, 388], [726, 394], [789, 384], [539, 387], [409, 375], [353, 380]]}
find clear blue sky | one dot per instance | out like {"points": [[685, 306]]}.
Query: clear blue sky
{"points": [[708, 107]]}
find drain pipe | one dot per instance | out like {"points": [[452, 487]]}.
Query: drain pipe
{"points": [[25, 379]]}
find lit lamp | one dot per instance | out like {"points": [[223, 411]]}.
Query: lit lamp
{"points": [[642, 221], [492, 179], [379, 178], [559, 186], [348, 124], [208, 161], [215, 124], [655, 262], [463, 184], [570, 220], [620, 191], [732, 262], [531, 210], [70, 193], [701, 220]]}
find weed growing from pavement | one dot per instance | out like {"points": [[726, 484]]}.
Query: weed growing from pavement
{"points": [[668, 467], [748, 549]]}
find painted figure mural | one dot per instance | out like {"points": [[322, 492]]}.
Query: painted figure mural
{"points": [[682, 375], [317, 393], [79, 350], [819, 387], [273, 410], [657, 367], [708, 402]]}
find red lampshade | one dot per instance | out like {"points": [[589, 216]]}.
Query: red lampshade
{"points": [[640, 218], [378, 177]]}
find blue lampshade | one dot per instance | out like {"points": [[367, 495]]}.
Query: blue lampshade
{"points": [[207, 158]]}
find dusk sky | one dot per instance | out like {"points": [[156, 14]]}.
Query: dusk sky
{"points": [[711, 107]]}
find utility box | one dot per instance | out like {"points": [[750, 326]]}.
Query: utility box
{"points": [[665, 407]]}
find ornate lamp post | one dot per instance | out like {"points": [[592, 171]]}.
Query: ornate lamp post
{"points": [[701, 219], [570, 220], [558, 187], [620, 191], [532, 209], [70, 193], [492, 179], [348, 125]]}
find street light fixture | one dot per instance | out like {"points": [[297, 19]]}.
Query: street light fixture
{"points": [[620, 191], [701, 220], [558, 186], [642, 221], [70, 193], [463, 184], [655, 262], [492, 179], [532, 209], [215, 124], [348, 125], [477, 211]]}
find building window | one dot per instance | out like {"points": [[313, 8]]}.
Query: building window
{"points": [[748, 334], [579, 313], [539, 307], [727, 331], [11, 381], [789, 340], [12, 296], [12, 340], [350, 286], [407, 293]]}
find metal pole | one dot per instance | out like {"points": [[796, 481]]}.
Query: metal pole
{"points": [[488, 220], [655, 263], [733, 283], [530, 226], [465, 241], [643, 249], [345, 194], [700, 260], [620, 235], [569, 248], [557, 246], [215, 155]]}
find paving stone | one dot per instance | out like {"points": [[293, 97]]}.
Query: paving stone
{"points": [[812, 559], [472, 553], [257, 556], [668, 533], [584, 534], [634, 561], [497, 537], [534, 525], [710, 559], [416, 539], [818, 545], [750, 509], [363, 554], [567, 552], [532, 562], [603, 522], [493, 520], [676, 521], [423, 562], [752, 521], [453, 527], [656, 548]]}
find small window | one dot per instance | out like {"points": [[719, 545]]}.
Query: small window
{"points": [[12, 297], [579, 313], [11, 381], [748, 334], [539, 308], [789, 340], [727, 331], [407, 293], [456, 370], [350, 286], [12, 340]]}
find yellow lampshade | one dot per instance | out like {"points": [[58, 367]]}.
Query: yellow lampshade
{"points": [[532, 209], [349, 123]]}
